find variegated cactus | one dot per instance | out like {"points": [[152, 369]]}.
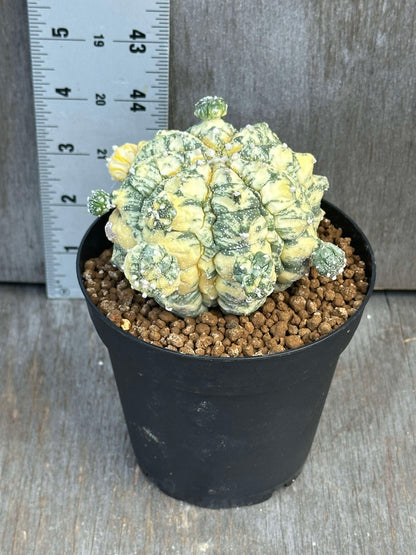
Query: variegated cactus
{"points": [[215, 216]]}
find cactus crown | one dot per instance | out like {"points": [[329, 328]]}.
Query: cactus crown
{"points": [[210, 107], [215, 215]]}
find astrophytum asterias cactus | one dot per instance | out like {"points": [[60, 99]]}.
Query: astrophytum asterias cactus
{"points": [[215, 216]]}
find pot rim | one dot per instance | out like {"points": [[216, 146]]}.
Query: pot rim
{"points": [[246, 359]]}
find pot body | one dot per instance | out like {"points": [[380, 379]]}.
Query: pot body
{"points": [[221, 432]]}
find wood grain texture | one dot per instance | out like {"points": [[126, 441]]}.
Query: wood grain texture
{"points": [[20, 221], [69, 482], [337, 79]]}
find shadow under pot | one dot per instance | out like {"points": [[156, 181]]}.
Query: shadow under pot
{"points": [[222, 432]]}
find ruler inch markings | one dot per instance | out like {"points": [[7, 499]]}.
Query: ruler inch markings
{"points": [[73, 138]]}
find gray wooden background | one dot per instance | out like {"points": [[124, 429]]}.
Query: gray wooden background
{"points": [[337, 79]]}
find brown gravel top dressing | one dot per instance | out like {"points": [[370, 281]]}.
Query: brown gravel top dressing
{"points": [[311, 308]]}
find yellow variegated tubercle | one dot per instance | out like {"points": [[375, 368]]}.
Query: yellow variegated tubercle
{"points": [[214, 215], [122, 159]]}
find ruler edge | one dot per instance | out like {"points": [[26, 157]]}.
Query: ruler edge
{"points": [[49, 262]]}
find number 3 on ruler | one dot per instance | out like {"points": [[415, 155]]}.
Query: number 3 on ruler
{"points": [[68, 147]]}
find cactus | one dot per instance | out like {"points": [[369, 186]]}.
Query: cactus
{"points": [[215, 216]]}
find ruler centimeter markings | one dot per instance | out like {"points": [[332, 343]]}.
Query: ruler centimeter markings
{"points": [[100, 77]]}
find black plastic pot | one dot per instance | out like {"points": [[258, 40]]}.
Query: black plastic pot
{"points": [[222, 432]]}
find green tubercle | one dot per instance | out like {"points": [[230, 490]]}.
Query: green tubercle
{"points": [[99, 202], [254, 271], [210, 107], [152, 270], [328, 259]]}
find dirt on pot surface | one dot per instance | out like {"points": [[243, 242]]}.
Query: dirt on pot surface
{"points": [[310, 309]]}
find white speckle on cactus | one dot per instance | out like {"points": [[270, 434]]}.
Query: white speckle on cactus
{"points": [[244, 235], [228, 146], [111, 236], [314, 160], [210, 152], [310, 220], [114, 147], [292, 189], [284, 145], [153, 214]]}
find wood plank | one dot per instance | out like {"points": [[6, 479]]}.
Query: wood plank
{"points": [[69, 482], [337, 80], [20, 227]]}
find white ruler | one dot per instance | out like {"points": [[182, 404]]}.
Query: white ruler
{"points": [[100, 77]]}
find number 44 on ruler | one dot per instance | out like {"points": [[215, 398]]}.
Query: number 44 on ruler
{"points": [[100, 78]]}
